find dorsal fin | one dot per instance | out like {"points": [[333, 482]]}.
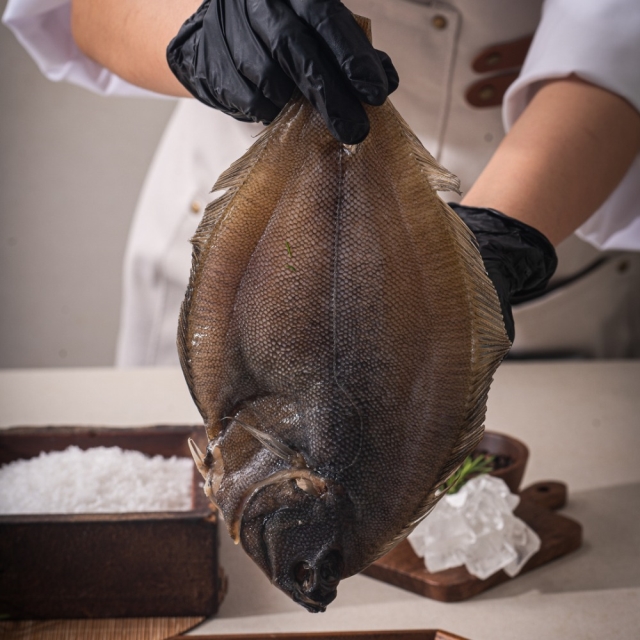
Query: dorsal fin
{"points": [[490, 345], [230, 181]]}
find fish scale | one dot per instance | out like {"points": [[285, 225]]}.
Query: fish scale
{"points": [[339, 335]]}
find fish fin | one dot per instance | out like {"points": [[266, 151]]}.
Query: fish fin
{"points": [[198, 458], [490, 344], [438, 177], [217, 467], [364, 24], [230, 181], [274, 445]]}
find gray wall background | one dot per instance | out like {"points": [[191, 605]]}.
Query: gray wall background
{"points": [[71, 167]]}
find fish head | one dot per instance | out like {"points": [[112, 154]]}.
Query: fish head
{"points": [[295, 532]]}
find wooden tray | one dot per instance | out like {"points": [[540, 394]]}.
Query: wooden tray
{"points": [[559, 535], [102, 629], [409, 634], [133, 565]]}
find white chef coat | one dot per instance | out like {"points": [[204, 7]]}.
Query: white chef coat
{"points": [[433, 45]]}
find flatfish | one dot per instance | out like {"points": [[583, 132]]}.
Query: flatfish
{"points": [[338, 335]]}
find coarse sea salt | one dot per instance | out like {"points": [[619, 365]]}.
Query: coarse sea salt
{"points": [[98, 480]]}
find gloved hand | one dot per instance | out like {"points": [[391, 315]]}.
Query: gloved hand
{"points": [[518, 258], [245, 57]]}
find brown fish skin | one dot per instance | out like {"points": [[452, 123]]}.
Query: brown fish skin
{"points": [[339, 336]]}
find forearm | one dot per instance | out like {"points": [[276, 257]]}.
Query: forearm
{"points": [[130, 38], [563, 157]]}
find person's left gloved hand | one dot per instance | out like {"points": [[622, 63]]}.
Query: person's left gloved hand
{"points": [[245, 57], [518, 258]]}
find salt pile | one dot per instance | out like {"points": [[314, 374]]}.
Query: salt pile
{"points": [[98, 480], [476, 528]]}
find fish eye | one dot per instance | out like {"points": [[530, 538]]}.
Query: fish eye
{"points": [[330, 569], [327, 575]]}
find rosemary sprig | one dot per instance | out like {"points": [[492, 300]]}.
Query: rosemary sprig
{"points": [[472, 466]]}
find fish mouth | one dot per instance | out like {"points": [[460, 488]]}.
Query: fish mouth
{"points": [[305, 479], [308, 568], [309, 604], [316, 584]]}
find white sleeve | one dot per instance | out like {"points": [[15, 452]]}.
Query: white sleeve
{"points": [[599, 41], [43, 28]]}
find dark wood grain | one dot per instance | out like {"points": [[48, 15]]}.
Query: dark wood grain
{"points": [[500, 444], [548, 494], [559, 535], [109, 565], [164, 440], [103, 629], [412, 634]]}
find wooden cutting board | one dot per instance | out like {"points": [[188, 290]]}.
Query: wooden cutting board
{"points": [[559, 535], [103, 629]]}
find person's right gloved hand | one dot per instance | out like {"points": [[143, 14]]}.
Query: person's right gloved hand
{"points": [[245, 57]]}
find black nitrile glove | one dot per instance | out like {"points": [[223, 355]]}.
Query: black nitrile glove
{"points": [[245, 57], [518, 258]]}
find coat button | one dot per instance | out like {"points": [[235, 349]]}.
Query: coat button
{"points": [[487, 92], [196, 207], [493, 58], [439, 22]]}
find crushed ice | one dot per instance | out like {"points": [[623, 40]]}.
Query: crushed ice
{"points": [[98, 480], [476, 527]]}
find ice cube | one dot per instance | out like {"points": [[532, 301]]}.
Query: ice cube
{"points": [[476, 527], [526, 543], [488, 555]]}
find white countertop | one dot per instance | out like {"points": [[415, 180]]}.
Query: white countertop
{"points": [[581, 421]]}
